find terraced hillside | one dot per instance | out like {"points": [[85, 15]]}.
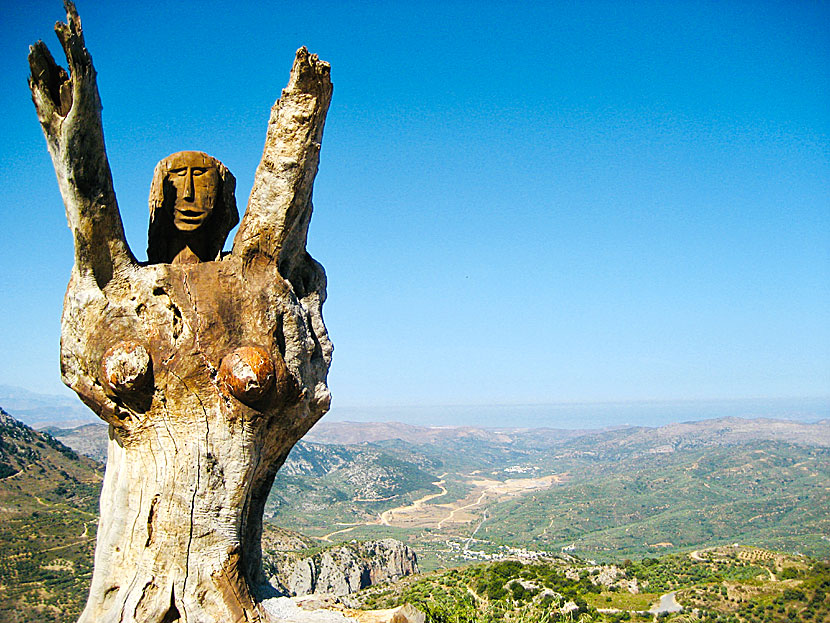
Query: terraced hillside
{"points": [[49, 504], [772, 494], [729, 584]]}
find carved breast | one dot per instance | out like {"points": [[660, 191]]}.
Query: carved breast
{"points": [[208, 331]]}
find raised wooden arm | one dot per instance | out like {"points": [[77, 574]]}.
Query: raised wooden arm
{"points": [[69, 109], [279, 209]]}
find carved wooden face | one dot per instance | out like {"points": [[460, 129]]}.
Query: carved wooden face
{"points": [[196, 184]]}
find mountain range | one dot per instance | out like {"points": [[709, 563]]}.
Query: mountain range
{"points": [[459, 494], [454, 496]]}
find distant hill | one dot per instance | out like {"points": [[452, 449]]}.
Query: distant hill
{"points": [[327, 480], [49, 503], [40, 410], [625, 492], [774, 494], [89, 439], [361, 432], [719, 431]]}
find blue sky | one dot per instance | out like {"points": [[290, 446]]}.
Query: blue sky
{"points": [[521, 203]]}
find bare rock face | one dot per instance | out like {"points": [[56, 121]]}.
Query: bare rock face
{"points": [[207, 367], [341, 570]]}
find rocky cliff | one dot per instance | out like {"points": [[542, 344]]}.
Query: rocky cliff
{"points": [[340, 570]]}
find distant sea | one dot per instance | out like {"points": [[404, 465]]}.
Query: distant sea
{"points": [[586, 415], [66, 410]]}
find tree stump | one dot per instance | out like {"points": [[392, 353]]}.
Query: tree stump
{"points": [[207, 369]]}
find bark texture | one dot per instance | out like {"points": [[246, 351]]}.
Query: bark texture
{"points": [[207, 373]]}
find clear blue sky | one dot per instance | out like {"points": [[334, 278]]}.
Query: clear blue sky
{"points": [[517, 203]]}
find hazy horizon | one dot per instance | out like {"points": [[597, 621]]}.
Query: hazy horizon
{"points": [[588, 414], [569, 415]]}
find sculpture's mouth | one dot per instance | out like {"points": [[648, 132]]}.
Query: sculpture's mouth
{"points": [[189, 219], [192, 214]]}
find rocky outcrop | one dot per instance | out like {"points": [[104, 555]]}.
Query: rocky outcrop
{"points": [[340, 570]]}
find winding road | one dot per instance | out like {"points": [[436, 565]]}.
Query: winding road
{"points": [[486, 487], [415, 506]]}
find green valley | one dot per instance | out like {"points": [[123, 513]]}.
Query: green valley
{"points": [[497, 517]]}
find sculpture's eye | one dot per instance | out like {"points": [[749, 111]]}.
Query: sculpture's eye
{"points": [[178, 172], [198, 171]]}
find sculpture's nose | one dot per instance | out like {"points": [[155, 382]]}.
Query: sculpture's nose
{"points": [[188, 185]]}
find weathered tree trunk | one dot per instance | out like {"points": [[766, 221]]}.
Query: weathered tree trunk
{"points": [[207, 373]]}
